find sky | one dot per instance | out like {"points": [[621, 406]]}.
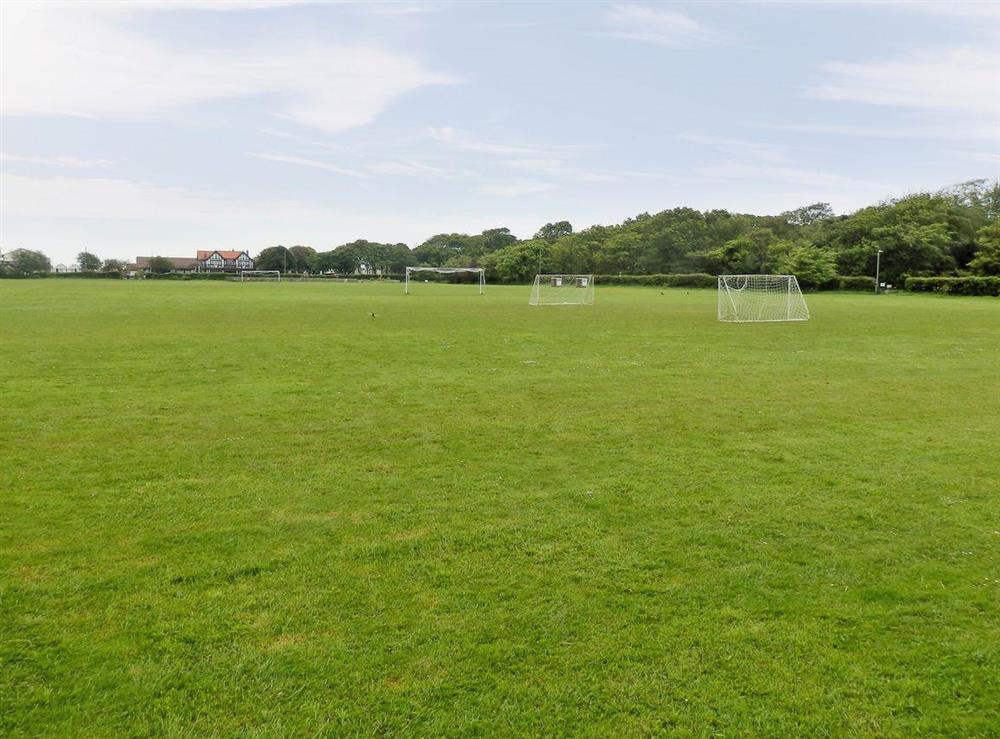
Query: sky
{"points": [[165, 127]]}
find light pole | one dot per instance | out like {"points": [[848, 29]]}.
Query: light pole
{"points": [[878, 263]]}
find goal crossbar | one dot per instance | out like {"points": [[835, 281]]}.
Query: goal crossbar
{"points": [[447, 271], [267, 273]]}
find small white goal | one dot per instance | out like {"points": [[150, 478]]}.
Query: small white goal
{"points": [[562, 290], [755, 298], [260, 275]]}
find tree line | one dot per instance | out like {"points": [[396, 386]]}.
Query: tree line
{"points": [[952, 232]]}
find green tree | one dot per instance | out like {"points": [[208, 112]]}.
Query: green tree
{"points": [[287, 259], [439, 248], [367, 255], [519, 262], [160, 265], [918, 235], [113, 265], [301, 259], [808, 214], [26, 262], [987, 258], [552, 232], [497, 238], [812, 266], [88, 262], [980, 197], [272, 257], [749, 253]]}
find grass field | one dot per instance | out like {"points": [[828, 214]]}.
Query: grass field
{"points": [[260, 509]]}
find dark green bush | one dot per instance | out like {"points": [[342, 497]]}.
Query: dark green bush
{"points": [[955, 285], [10, 275], [191, 276], [861, 283], [698, 279], [86, 275]]}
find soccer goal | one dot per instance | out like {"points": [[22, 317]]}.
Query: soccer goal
{"points": [[562, 290], [260, 275], [752, 298], [478, 275]]}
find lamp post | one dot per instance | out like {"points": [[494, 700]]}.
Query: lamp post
{"points": [[878, 263]]}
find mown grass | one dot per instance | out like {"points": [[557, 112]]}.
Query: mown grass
{"points": [[260, 509]]}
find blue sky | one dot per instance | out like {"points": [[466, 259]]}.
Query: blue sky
{"points": [[166, 127]]}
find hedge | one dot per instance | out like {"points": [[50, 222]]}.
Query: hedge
{"points": [[954, 285], [86, 275], [698, 279], [844, 282], [60, 275], [701, 279], [188, 275]]}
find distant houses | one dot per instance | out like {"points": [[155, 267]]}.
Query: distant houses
{"points": [[206, 261], [224, 261]]}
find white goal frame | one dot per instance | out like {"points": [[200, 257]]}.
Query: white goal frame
{"points": [[446, 271], [244, 273], [761, 298], [580, 287]]}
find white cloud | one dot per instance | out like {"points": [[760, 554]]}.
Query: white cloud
{"points": [[66, 162], [732, 170], [78, 211], [964, 79], [401, 9], [738, 147], [100, 198], [954, 131], [608, 177], [416, 168], [659, 25], [459, 139], [312, 163], [406, 167], [537, 165], [990, 157], [549, 162], [973, 10], [516, 188], [83, 60]]}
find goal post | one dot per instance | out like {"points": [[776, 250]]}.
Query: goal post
{"points": [[260, 275], [759, 298], [562, 290], [478, 271]]}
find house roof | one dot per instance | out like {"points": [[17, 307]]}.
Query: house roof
{"points": [[178, 262], [206, 253]]}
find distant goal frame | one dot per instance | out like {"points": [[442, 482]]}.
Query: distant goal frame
{"points": [[446, 271], [547, 282], [244, 273]]}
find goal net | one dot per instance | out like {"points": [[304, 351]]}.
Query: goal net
{"points": [[751, 298], [260, 275], [453, 275], [562, 290]]}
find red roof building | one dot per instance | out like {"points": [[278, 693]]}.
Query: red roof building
{"points": [[224, 261]]}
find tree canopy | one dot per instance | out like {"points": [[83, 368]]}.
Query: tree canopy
{"points": [[26, 262], [160, 265], [951, 232], [113, 265], [88, 262]]}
